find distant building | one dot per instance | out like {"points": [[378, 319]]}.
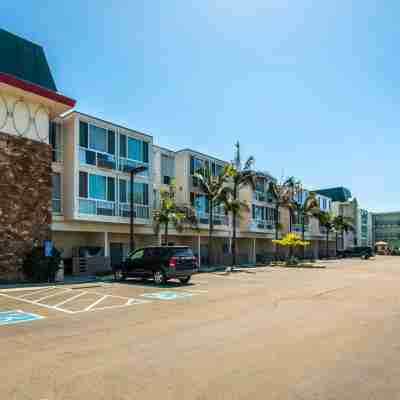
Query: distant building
{"points": [[386, 228], [343, 204], [364, 237]]}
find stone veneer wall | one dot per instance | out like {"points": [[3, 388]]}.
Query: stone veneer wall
{"points": [[25, 200]]}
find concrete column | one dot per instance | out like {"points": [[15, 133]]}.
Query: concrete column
{"points": [[199, 249], [106, 245]]}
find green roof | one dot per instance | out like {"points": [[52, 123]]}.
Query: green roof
{"points": [[336, 194], [24, 60]]}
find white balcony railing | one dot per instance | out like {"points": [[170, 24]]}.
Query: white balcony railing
{"points": [[140, 211], [266, 225], [97, 207], [219, 219], [97, 159], [262, 197], [298, 228], [126, 165]]}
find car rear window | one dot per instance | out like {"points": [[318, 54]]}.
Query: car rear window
{"points": [[181, 252]]}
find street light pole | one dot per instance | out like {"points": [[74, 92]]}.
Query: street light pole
{"points": [[133, 172]]}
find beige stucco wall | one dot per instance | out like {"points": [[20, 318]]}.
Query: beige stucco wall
{"points": [[23, 116]]}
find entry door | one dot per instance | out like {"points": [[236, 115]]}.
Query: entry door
{"points": [[116, 254]]}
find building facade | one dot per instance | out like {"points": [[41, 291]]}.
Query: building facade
{"points": [[28, 101], [65, 177], [386, 228]]}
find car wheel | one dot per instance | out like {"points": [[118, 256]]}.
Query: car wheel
{"points": [[159, 277], [185, 280]]}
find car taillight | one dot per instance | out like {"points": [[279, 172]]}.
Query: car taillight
{"points": [[172, 262]]}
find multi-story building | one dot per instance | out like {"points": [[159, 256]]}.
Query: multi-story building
{"points": [[364, 234], [91, 163], [77, 190], [386, 228], [345, 205]]}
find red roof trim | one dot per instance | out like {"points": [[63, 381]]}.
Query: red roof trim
{"points": [[36, 89]]}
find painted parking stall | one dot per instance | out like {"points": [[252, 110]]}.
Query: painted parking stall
{"points": [[17, 316]]}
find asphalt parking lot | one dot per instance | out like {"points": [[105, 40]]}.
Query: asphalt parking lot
{"points": [[262, 333]]}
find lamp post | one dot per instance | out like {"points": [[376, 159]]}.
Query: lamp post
{"points": [[133, 171]]}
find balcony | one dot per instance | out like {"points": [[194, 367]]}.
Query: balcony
{"points": [[262, 197], [259, 224], [97, 207], [97, 159], [219, 219], [140, 211], [126, 165], [298, 228]]}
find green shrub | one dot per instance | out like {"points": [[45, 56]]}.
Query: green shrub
{"points": [[38, 268], [292, 262]]}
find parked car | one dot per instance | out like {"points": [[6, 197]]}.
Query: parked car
{"points": [[161, 263], [357, 251]]}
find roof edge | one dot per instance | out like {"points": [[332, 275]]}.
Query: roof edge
{"points": [[36, 89]]}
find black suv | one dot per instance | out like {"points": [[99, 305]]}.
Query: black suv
{"points": [[161, 263], [357, 251]]}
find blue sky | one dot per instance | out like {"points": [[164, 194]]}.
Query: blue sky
{"points": [[310, 88]]}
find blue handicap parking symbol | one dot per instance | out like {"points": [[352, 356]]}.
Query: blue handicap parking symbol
{"points": [[167, 295], [17, 316]]}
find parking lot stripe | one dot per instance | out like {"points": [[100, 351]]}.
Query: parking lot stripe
{"points": [[96, 302], [52, 295], [37, 304], [37, 291], [70, 299]]}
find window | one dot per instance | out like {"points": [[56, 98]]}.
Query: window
{"points": [[83, 184], [55, 140], [56, 192], [167, 168], [96, 138], [140, 193], [97, 187], [122, 191], [137, 255]]}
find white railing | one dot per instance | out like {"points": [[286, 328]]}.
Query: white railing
{"points": [[219, 219], [140, 211], [125, 165], [97, 207], [262, 197], [97, 159], [298, 228], [262, 224]]}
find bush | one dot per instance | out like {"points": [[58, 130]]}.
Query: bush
{"points": [[38, 268], [292, 262]]}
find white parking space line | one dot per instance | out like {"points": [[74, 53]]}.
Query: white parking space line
{"points": [[70, 299], [38, 291], [52, 295], [95, 303]]}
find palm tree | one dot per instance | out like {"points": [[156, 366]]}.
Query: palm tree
{"points": [[294, 187], [342, 224], [326, 220], [180, 216], [242, 176], [213, 187], [307, 208]]}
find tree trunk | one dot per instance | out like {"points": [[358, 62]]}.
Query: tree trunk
{"points": [[327, 243], [303, 229], [234, 239], [166, 234], [210, 231], [336, 244]]}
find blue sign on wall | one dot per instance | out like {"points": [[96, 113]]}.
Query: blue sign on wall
{"points": [[48, 248], [17, 316]]}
